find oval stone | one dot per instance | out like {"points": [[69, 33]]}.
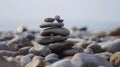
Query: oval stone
{"points": [[44, 25], [61, 46], [51, 39], [57, 17], [95, 47], [55, 31], [49, 20], [24, 50], [40, 50], [88, 60]]}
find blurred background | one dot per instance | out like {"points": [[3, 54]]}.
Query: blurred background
{"points": [[95, 14]]}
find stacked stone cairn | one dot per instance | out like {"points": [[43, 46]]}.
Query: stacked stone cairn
{"points": [[54, 35]]}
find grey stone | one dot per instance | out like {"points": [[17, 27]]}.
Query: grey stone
{"points": [[60, 46], [51, 39], [44, 25], [88, 51], [104, 55], [95, 47], [51, 58], [63, 63], [88, 60], [24, 50], [3, 46], [19, 42], [111, 46], [30, 36], [60, 20], [49, 20], [71, 52], [52, 55], [26, 59], [55, 31], [8, 53], [57, 17], [40, 50]]}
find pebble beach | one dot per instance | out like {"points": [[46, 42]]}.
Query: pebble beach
{"points": [[57, 46]]}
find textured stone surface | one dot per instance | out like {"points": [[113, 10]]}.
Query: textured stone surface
{"points": [[88, 51], [49, 20], [40, 50], [24, 50], [111, 46], [61, 46], [115, 59], [88, 60], [44, 25], [55, 31], [63, 63], [95, 47], [4, 46], [104, 55], [82, 44], [51, 58], [51, 39]]}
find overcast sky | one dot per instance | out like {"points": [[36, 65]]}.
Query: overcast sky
{"points": [[32, 12]]}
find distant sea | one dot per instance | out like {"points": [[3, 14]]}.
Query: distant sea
{"points": [[34, 25]]}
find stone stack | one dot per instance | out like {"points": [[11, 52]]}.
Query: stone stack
{"points": [[55, 35]]}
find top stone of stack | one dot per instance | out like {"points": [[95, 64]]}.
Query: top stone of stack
{"points": [[50, 22]]}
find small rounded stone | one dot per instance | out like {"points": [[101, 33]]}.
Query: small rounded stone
{"points": [[57, 17], [70, 52], [51, 58], [3, 46], [21, 29], [49, 20], [60, 46], [95, 47], [60, 20], [88, 51], [40, 50], [24, 50]]}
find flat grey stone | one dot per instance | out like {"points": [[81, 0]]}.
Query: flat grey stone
{"points": [[55, 31], [51, 39], [40, 50], [24, 50], [60, 46], [44, 25]]}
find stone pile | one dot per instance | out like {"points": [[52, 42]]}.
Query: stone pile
{"points": [[55, 35]]}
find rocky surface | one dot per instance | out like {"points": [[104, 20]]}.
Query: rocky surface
{"points": [[54, 46]]}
